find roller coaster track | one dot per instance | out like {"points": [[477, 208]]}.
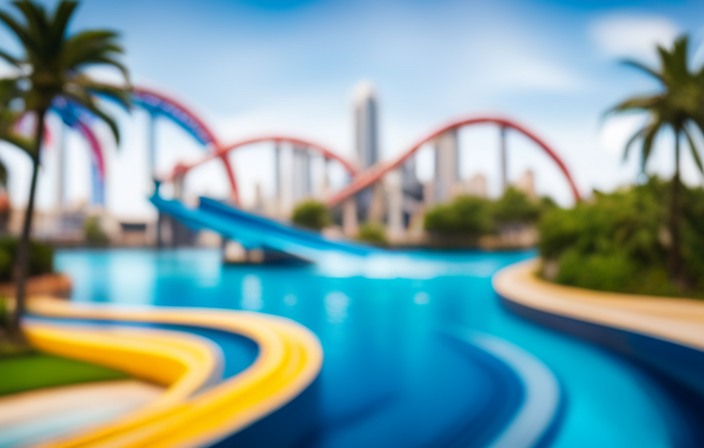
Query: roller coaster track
{"points": [[376, 172]]}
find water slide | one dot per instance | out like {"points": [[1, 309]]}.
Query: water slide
{"points": [[254, 231]]}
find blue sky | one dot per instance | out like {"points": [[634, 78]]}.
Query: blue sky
{"points": [[251, 67]]}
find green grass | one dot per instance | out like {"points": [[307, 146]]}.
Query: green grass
{"points": [[38, 370]]}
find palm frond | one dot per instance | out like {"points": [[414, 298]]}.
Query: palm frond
{"points": [[639, 104], [698, 121], [3, 175], [27, 42], [9, 91], [35, 15], [648, 140], [87, 41], [643, 68], [21, 142], [9, 58], [679, 58], [37, 23], [84, 99], [108, 61], [694, 150], [639, 134], [56, 61], [675, 71], [121, 95], [92, 47], [60, 21]]}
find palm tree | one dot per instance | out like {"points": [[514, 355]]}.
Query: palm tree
{"points": [[679, 107], [53, 65], [8, 121]]}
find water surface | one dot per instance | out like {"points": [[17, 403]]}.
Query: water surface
{"points": [[379, 321]]}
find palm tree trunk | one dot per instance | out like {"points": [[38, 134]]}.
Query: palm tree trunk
{"points": [[675, 264], [15, 329]]}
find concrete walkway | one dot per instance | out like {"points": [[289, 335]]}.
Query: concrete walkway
{"points": [[32, 417], [674, 319]]}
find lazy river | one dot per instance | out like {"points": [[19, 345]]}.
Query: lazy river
{"points": [[418, 350]]}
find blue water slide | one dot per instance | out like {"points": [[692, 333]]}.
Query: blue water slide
{"points": [[255, 231]]}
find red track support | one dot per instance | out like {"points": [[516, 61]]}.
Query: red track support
{"points": [[375, 173], [222, 152], [361, 180]]}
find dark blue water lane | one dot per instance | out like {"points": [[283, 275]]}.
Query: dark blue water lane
{"points": [[378, 321]]}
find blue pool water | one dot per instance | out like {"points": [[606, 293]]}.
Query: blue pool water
{"points": [[390, 376]]}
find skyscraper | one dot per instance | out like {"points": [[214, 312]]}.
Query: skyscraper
{"points": [[412, 190], [446, 164], [301, 174], [366, 135], [366, 125]]}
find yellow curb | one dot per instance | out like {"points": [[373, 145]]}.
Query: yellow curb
{"points": [[290, 358], [674, 319], [182, 362]]}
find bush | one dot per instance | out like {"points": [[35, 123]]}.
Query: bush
{"points": [[41, 258], [95, 237], [603, 272], [514, 207], [373, 233], [465, 216], [619, 241], [312, 215], [472, 217]]}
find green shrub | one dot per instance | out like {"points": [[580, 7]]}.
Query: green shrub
{"points": [[472, 217], [41, 258], [465, 216], [312, 215], [603, 272], [619, 241], [95, 237], [515, 207], [373, 233]]}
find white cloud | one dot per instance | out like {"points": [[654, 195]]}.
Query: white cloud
{"points": [[534, 74], [632, 36]]}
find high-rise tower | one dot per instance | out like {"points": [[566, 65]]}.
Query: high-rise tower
{"points": [[366, 125], [301, 174], [366, 136], [446, 164]]}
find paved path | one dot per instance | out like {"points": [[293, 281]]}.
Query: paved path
{"points": [[673, 319], [31, 417]]}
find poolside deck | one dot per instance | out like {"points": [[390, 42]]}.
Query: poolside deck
{"points": [[36, 416], [672, 319]]}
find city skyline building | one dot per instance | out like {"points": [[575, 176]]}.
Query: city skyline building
{"points": [[446, 165], [476, 186], [366, 140], [302, 185], [526, 184], [366, 126], [412, 190]]}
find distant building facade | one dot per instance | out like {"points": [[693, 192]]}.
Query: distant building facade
{"points": [[366, 126], [302, 185], [475, 186], [446, 165], [412, 190], [526, 184], [366, 139]]}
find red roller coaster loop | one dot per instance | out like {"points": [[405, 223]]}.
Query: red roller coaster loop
{"points": [[375, 173], [223, 151], [192, 122], [360, 181]]}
